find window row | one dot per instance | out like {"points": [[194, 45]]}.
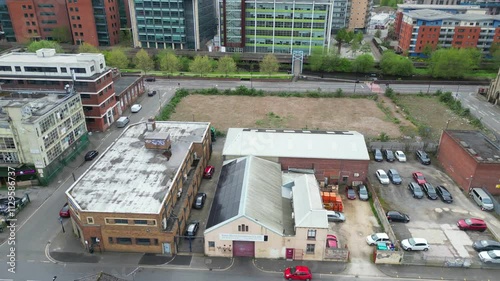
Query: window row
{"points": [[130, 241], [43, 69], [7, 143], [131, 221]]}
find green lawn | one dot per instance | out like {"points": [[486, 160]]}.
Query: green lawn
{"points": [[255, 75]]}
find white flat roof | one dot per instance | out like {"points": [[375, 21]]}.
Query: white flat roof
{"points": [[349, 145], [128, 177], [57, 59]]}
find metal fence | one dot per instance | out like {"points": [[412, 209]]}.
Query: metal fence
{"points": [[415, 258]]}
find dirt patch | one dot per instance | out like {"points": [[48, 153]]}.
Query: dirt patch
{"points": [[224, 112]]}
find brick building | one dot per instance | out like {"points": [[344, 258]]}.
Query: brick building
{"points": [[471, 159], [46, 70], [338, 156], [493, 94], [128, 89], [137, 196]]}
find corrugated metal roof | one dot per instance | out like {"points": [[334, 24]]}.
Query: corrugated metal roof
{"points": [[296, 143], [307, 204]]}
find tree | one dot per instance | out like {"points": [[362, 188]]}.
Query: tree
{"points": [[365, 48], [391, 32], [117, 58], [378, 33], [143, 61], [392, 64], [356, 42], [61, 34], [269, 64], [427, 51], [226, 64], [495, 54], [343, 36], [363, 64], [44, 44], [169, 62], [87, 48], [201, 65], [316, 60], [453, 62]]}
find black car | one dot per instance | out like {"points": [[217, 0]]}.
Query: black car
{"points": [[444, 194], [199, 200], [486, 245], [151, 93], [150, 79], [377, 155], [91, 155], [394, 176], [191, 230], [18, 201], [397, 217], [423, 157], [430, 191], [416, 190], [389, 155]]}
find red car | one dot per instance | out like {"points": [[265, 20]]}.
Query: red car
{"points": [[472, 224], [64, 212], [299, 272], [331, 241], [350, 193], [209, 172], [419, 178]]}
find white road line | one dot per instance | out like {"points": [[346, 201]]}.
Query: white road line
{"points": [[6, 279]]}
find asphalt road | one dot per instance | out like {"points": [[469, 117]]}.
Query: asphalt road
{"points": [[488, 113]]}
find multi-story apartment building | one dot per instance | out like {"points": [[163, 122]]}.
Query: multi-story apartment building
{"points": [[175, 24], [96, 22], [38, 131], [493, 6], [420, 28], [280, 26], [360, 14], [137, 196], [47, 70]]}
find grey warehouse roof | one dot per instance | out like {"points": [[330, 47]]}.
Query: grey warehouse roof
{"points": [[128, 177], [477, 145], [348, 145], [430, 15]]}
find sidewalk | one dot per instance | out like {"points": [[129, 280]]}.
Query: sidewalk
{"points": [[317, 267], [436, 273]]}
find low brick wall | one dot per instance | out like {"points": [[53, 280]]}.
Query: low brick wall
{"points": [[388, 257]]}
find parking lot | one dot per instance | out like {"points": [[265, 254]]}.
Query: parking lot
{"points": [[433, 220]]}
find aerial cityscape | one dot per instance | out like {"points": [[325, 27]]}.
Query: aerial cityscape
{"points": [[249, 140]]}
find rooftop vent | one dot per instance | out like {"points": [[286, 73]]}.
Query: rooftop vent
{"points": [[42, 53], [151, 124], [464, 144], [157, 140], [479, 158], [490, 159], [496, 157], [472, 151]]}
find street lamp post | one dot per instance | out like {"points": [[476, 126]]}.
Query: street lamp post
{"points": [[429, 88], [355, 82], [470, 182], [62, 225]]}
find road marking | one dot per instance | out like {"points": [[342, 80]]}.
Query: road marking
{"points": [[6, 279], [47, 253]]}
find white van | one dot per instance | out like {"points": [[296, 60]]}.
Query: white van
{"points": [[481, 198], [122, 122]]}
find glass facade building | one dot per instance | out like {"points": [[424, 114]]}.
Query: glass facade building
{"points": [[6, 23], [279, 26]]}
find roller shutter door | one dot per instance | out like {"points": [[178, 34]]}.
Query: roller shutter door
{"points": [[244, 249]]}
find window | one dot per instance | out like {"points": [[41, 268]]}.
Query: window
{"points": [[5, 68], [18, 68], [310, 249], [127, 241], [64, 70], [85, 96], [110, 240], [7, 143], [90, 220], [243, 227], [121, 221], [140, 221], [311, 234], [79, 70], [156, 241], [211, 244], [92, 68], [143, 241]]}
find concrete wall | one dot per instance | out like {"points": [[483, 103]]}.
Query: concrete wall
{"points": [[388, 257]]}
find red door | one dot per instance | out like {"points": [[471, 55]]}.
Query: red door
{"points": [[244, 249], [289, 253]]}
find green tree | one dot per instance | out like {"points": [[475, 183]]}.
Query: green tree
{"points": [[61, 34], [117, 58], [356, 42], [378, 33], [316, 60], [269, 64], [453, 62], [365, 48], [363, 63], [226, 64], [125, 38], [44, 44], [343, 36], [201, 65], [168, 61], [495, 54], [392, 64], [391, 32], [427, 51], [87, 48], [143, 61]]}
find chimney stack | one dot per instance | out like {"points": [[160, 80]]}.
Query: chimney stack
{"points": [[151, 124]]}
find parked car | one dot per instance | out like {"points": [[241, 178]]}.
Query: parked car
{"points": [[89, 156], [135, 108], [209, 172], [191, 230], [444, 194], [363, 192], [423, 157], [395, 216], [199, 200], [394, 176], [382, 177], [334, 216], [416, 190], [151, 93], [400, 155], [389, 155], [64, 212], [415, 244], [19, 202], [331, 241], [430, 191], [377, 237], [486, 245], [419, 177], [350, 193], [490, 256], [150, 79], [299, 272], [472, 224], [377, 155]]}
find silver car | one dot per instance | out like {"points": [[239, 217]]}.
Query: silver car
{"points": [[363, 192], [334, 216]]}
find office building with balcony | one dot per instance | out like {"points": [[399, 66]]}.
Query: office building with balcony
{"points": [[137, 196], [38, 132], [46, 70], [96, 22], [280, 27], [176, 24], [421, 28]]}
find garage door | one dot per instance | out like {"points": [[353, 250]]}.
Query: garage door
{"points": [[243, 248]]}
